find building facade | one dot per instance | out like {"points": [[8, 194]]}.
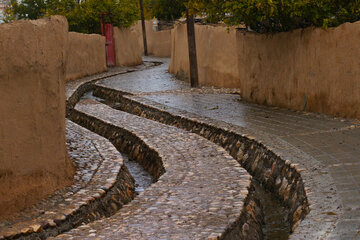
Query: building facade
{"points": [[3, 4]]}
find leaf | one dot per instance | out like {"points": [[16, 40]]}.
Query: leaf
{"points": [[330, 213]]}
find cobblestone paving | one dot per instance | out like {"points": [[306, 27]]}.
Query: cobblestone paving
{"points": [[145, 81], [96, 159], [97, 164], [153, 80], [72, 86], [330, 147], [200, 195], [326, 148]]}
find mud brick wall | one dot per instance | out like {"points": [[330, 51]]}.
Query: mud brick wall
{"points": [[309, 69], [158, 42], [127, 51], [216, 54], [33, 160], [86, 55]]}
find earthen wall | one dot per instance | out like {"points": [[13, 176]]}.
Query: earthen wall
{"points": [[309, 69]]}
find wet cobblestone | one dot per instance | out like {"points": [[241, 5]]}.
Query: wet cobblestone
{"points": [[182, 203], [329, 146], [75, 89], [278, 175], [301, 156], [100, 175], [324, 149], [145, 81]]}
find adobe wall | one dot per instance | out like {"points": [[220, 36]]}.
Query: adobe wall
{"points": [[158, 42], [127, 50], [313, 69], [86, 55], [216, 54], [33, 160]]}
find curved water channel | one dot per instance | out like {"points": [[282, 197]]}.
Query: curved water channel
{"points": [[276, 225], [143, 179]]}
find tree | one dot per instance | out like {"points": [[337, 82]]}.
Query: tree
{"points": [[122, 13], [212, 11], [168, 10], [194, 76], [148, 8], [266, 16], [82, 17], [27, 9], [143, 27]]}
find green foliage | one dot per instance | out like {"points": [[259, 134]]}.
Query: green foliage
{"points": [[27, 9], [148, 8], [263, 16], [86, 16], [82, 17], [168, 10], [213, 11], [284, 15], [171, 10]]}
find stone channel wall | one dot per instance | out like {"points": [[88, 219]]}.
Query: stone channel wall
{"points": [[307, 69], [86, 55], [159, 42], [249, 223], [103, 204], [277, 175], [125, 141], [33, 161]]}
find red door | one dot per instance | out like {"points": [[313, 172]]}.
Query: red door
{"points": [[110, 48]]}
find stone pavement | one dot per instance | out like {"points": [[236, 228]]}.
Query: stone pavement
{"points": [[326, 150], [100, 178], [74, 89], [135, 82], [201, 191], [192, 141]]}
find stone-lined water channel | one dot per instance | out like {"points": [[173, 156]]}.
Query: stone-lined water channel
{"points": [[142, 178], [276, 224]]}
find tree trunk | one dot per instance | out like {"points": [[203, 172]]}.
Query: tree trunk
{"points": [[143, 27], [194, 79]]}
